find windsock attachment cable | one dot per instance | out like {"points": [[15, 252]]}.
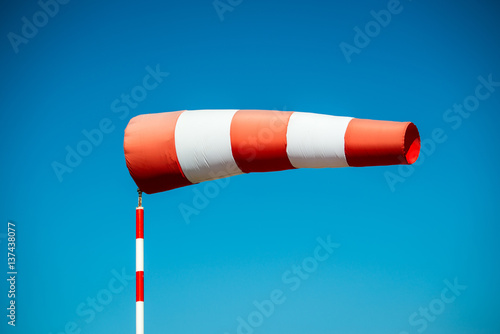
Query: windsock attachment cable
{"points": [[139, 265]]}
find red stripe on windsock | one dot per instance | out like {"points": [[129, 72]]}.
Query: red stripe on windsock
{"points": [[258, 140], [139, 222], [380, 143], [139, 293], [150, 144]]}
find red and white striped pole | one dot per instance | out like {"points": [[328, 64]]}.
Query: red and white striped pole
{"points": [[139, 266]]}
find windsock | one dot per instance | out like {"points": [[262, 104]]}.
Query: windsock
{"points": [[169, 150]]}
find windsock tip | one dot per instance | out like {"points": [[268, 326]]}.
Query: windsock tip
{"points": [[411, 149]]}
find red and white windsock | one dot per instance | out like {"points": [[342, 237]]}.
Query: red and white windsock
{"points": [[174, 149]]}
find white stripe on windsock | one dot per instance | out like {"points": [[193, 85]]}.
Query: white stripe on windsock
{"points": [[203, 145], [316, 141]]}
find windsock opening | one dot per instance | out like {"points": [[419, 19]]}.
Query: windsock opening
{"points": [[381, 143], [412, 144]]}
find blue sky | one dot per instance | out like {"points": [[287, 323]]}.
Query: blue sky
{"points": [[417, 247]]}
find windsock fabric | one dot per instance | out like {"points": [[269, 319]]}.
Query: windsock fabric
{"points": [[174, 149]]}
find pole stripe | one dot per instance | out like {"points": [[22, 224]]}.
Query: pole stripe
{"points": [[139, 221], [139, 258], [139, 314], [139, 276], [139, 267]]}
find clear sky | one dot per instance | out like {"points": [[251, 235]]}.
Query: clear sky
{"points": [[416, 249]]}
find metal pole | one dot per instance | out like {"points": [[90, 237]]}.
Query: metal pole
{"points": [[139, 266]]}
